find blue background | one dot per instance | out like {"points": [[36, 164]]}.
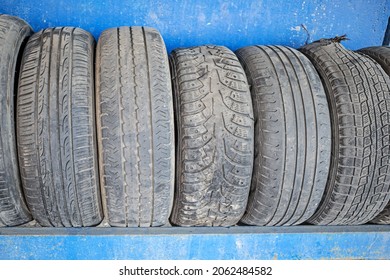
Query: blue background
{"points": [[231, 23]]}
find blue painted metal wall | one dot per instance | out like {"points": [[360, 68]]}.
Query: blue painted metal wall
{"points": [[234, 23]]}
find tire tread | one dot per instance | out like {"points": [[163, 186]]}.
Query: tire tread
{"points": [[13, 34], [214, 117]]}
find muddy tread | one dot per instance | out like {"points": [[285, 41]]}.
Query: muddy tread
{"points": [[292, 136], [214, 118], [136, 129], [380, 54], [358, 94], [14, 32], [56, 129]]}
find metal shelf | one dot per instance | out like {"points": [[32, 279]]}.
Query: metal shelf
{"points": [[170, 243]]}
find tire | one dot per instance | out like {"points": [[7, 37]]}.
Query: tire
{"points": [[56, 129], [13, 34], [292, 136], [358, 96], [383, 218], [214, 119], [380, 55], [135, 127]]}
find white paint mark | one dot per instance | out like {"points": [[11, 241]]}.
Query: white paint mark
{"points": [[296, 28], [201, 17], [238, 244], [153, 16]]}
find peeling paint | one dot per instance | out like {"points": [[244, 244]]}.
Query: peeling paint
{"points": [[231, 23], [295, 28]]}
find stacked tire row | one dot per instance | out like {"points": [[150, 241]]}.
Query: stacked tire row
{"points": [[130, 137]]}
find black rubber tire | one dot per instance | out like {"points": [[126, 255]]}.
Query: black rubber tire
{"points": [[214, 118], [292, 136], [14, 32], [135, 127], [358, 96], [379, 54], [383, 217], [56, 128]]}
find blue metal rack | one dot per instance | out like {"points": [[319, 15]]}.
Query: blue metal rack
{"points": [[233, 24], [265, 243]]}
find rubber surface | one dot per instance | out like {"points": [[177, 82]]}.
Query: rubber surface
{"points": [[214, 120], [56, 128], [135, 127], [292, 136], [13, 34], [380, 55], [358, 94], [383, 217]]}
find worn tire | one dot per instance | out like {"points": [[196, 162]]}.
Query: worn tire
{"points": [[379, 54], [214, 118], [292, 136], [56, 128], [14, 32], [358, 96], [382, 56], [383, 217], [135, 127]]}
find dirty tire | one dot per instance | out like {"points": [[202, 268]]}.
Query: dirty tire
{"points": [[214, 118], [358, 96], [56, 129], [13, 34], [380, 55], [292, 136], [135, 127], [383, 218]]}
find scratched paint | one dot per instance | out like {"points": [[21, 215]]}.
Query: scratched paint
{"points": [[231, 23], [301, 242]]}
